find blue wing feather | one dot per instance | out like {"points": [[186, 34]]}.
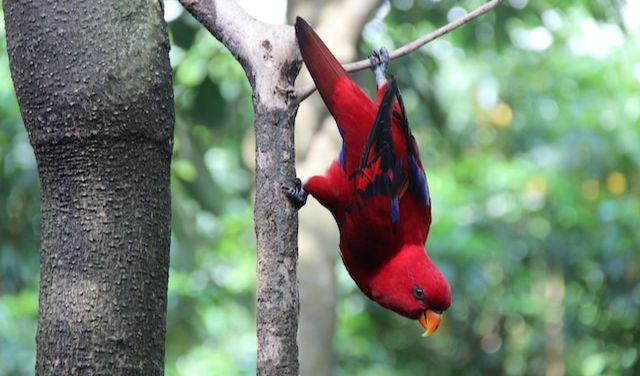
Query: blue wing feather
{"points": [[379, 164], [418, 182], [342, 157]]}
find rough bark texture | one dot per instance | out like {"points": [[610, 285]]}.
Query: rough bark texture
{"points": [[270, 58], [276, 220], [276, 226], [94, 86]]}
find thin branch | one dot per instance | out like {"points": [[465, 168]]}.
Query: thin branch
{"points": [[307, 90]]}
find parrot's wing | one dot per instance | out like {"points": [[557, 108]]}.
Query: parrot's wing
{"points": [[386, 169], [418, 185], [380, 172]]}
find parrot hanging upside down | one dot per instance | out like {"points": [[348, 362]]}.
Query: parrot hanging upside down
{"points": [[376, 190]]}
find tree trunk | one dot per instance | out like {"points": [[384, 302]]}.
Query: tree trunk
{"points": [[276, 224], [271, 76], [93, 82], [270, 58]]}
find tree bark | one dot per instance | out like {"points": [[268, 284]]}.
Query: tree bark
{"points": [[93, 82], [276, 225], [270, 58], [276, 220]]}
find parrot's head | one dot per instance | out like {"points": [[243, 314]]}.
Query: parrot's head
{"points": [[411, 285]]}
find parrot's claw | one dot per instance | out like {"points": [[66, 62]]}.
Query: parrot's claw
{"points": [[379, 64], [296, 194]]}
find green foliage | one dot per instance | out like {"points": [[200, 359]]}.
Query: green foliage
{"points": [[529, 124], [19, 227]]}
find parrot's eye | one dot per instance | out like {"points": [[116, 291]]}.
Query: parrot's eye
{"points": [[418, 292]]}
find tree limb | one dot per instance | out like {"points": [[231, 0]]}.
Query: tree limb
{"points": [[227, 22], [270, 58], [302, 93], [258, 47]]}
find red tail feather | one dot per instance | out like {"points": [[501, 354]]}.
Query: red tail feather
{"points": [[325, 69]]}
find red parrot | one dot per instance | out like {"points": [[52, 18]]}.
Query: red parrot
{"points": [[376, 190]]}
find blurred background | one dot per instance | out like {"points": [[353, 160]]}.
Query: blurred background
{"points": [[528, 121]]}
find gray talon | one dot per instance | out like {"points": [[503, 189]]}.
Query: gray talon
{"points": [[296, 193], [374, 59], [379, 64], [384, 55]]}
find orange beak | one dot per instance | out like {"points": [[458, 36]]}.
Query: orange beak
{"points": [[430, 321]]}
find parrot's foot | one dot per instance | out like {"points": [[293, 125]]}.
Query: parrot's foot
{"points": [[296, 194], [379, 64]]}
